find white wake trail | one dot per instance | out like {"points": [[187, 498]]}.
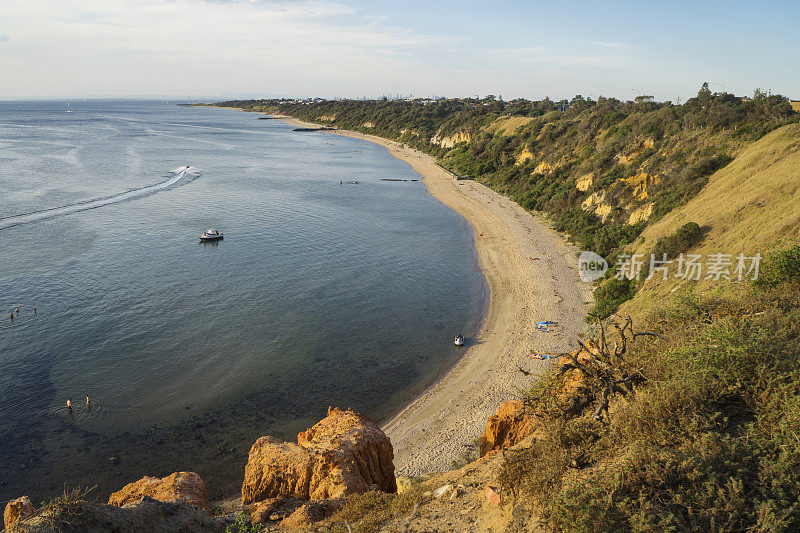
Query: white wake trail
{"points": [[44, 214]]}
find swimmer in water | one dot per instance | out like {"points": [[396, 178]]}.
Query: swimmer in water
{"points": [[11, 316], [88, 403], [69, 404]]}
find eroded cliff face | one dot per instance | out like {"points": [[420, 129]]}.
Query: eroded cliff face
{"points": [[449, 141], [507, 427]]}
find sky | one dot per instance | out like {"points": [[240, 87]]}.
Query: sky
{"points": [[358, 48]]}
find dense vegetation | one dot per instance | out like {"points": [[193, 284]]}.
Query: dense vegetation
{"points": [[709, 442], [708, 436], [630, 154]]}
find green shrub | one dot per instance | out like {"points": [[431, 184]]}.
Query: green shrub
{"points": [[684, 238], [708, 443], [243, 525], [610, 295], [779, 267]]}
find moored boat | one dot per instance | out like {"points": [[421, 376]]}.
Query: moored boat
{"points": [[211, 235]]}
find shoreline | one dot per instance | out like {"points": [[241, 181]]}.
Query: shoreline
{"points": [[442, 422], [531, 276]]}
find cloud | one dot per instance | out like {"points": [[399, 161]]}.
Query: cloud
{"points": [[213, 46], [4, 38]]}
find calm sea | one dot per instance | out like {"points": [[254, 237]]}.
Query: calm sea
{"points": [[320, 294]]}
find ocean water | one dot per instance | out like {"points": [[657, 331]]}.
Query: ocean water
{"points": [[320, 294]]}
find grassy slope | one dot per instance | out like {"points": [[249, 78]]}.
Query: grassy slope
{"points": [[752, 205], [711, 441]]}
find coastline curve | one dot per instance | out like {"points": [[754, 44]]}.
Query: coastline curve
{"points": [[531, 274]]}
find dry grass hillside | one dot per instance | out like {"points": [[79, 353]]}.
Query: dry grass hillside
{"points": [[753, 201], [508, 125], [752, 205]]}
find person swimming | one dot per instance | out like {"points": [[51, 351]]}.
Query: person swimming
{"points": [[69, 404], [88, 403]]}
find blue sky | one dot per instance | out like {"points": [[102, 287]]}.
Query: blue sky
{"points": [[180, 48]]}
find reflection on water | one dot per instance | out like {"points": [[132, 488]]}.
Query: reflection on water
{"points": [[189, 351]]}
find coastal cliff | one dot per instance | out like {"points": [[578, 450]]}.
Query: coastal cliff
{"points": [[677, 410]]}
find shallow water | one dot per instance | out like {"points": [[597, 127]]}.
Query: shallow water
{"points": [[320, 294]]}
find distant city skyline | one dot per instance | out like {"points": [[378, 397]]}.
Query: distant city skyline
{"points": [[355, 48]]}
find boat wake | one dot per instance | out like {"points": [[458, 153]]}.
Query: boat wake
{"points": [[179, 175]]}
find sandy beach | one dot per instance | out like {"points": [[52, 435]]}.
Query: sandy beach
{"points": [[532, 277]]}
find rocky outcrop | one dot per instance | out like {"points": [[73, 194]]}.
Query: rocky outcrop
{"points": [[640, 214], [351, 455], [17, 510], [145, 515], [638, 185], [544, 167], [524, 156], [596, 202], [184, 487], [276, 468], [585, 182], [345, 453], [449, 141], [507, 427]]}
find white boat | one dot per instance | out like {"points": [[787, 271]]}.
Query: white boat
{"points": [[459, 340], [211, 235]]}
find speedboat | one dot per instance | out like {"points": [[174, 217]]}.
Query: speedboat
{"points": [[459, 340], [211, 235]]}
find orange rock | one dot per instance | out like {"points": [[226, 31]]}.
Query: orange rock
{"points": [[351, 455], [507, 427], [17, 510], [276, 468], [492, 495], [344, 453], [178, 487]]}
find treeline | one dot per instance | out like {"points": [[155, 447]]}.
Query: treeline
{"points": [[636, 155]]}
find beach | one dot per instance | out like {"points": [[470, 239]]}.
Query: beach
{"points": [[532, 277]]}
